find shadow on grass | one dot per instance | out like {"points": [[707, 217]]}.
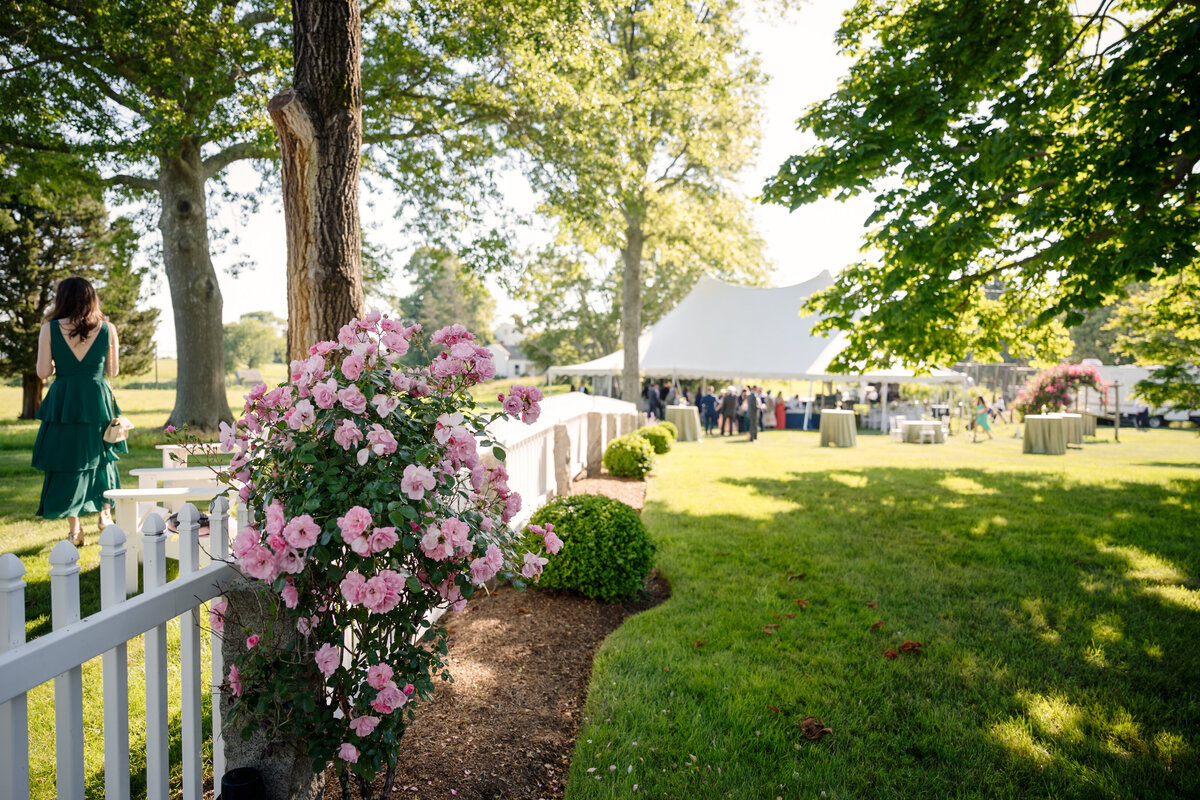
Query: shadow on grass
{"points": [[1058, 621]]}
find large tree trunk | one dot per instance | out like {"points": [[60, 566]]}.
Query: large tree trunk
{"points": [[319, 123], [631, 311], [200, 400], [31, 386]]}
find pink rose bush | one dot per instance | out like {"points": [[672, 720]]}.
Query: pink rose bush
{"points": [[1053, 389], [369, 503]]}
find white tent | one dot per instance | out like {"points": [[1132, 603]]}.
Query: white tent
{"points": [[724, 331]]}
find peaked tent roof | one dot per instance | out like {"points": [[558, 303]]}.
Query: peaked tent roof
{"points": [[724, 331]]}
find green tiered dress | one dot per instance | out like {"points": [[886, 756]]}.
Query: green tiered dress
{"points": [[70, 448]]}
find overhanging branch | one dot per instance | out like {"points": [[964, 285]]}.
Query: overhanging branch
{"points": [[235, 152], [133, 182]]}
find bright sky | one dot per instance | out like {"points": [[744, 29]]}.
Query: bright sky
{"points": [[797, 54]]}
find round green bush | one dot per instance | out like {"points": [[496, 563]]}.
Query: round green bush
{"points": [[629, 456], [606, 552], [658, 436], [671, 428]]}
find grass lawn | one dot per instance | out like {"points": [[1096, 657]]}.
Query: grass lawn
{"points": [[1057, 600]]}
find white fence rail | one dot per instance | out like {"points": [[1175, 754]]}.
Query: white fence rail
{"points": [[59, 657], [571, 433]]}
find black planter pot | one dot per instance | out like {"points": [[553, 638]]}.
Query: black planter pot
{"points": [[243, 783]]}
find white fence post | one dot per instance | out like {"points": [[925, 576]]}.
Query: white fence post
{"points": [[218, 550], [14, 716], [116, 668], [189, 659], [154, 575], [68, 687]]}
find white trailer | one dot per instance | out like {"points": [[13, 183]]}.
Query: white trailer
{"points": [[1127, 377]]}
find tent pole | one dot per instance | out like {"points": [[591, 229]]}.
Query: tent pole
{"points": [[883, 416]]}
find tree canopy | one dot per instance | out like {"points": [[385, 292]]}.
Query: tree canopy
{"points": [[637, 131], [1027, 160], [53, 225]]}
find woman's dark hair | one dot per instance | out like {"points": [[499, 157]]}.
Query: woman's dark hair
{"points": [[76, 301]]}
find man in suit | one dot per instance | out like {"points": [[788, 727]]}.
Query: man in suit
{"points": [[707, 405], [729, 409], [752, 403]]}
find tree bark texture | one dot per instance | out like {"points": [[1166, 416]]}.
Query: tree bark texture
{"points": [[631, 312], [200, 400], [31, 391], [319, 124]]}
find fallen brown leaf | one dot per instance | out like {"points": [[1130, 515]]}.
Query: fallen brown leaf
{"points": [[773, 708], [796, 576], [522, 610], [875, 627], [890, 654], [698, 644], [802, 603], [872, 604], [773, 625], [911, 647], [814, 728], [768, 631], [790, 616], [776, 616]]}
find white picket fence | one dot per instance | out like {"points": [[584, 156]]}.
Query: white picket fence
{"points": [[59, 656]]}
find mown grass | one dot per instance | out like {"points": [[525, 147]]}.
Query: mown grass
{"points": [[1056, 599], [32, 539]]}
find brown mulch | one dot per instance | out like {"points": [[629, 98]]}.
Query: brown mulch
{"points": [[506, 726]]}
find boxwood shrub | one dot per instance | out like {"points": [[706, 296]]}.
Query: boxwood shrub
{"points": [[606, 552], [658, 436], [629, 456], [671, 428]]}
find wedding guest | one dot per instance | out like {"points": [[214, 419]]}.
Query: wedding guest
{"points": [[729, 410], [707, 404], [79, 346]]}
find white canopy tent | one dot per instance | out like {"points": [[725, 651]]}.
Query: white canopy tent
{"points": [[729, 332]]}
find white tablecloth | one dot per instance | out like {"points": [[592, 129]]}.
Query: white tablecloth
{"points": [[1045, 434], [687, 419], [1074, 428], [837, 427], [912, 430]]}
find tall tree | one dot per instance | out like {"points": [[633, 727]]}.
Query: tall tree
{"points": [[1008, 142], [157, 92], [445, 292], [53, 224], [637, 130], [319, 123]]}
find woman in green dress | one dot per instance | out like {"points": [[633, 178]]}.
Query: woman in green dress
{"points": [[981, 419], [79, 347]]}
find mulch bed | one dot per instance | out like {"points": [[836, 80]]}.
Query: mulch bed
{"points": [[521, 662]]}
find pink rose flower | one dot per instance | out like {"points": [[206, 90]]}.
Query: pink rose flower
{"points": [[322, 348], [291, 597], [457, 534], [512, 405], [235, 681], [352, 367], [353, 587], [553, 543], [533, 566], [301, 532], [389, 699], [325, 394], [383, 539], [354, 523], [381, 439], [252, 640], [353, 400], [376, 597], [348, 753], [300, 415], [378, 675], [395, 342], [347, 434], [408, 689], [327, 659], [482, 571], [276, 517], [216, 615], [384, 403], [289, 561], [435, 544], [416, 480], [364, 725], [259, 562]]}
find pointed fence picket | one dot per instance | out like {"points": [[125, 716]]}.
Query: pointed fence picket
{"points": [[59, 657]]}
